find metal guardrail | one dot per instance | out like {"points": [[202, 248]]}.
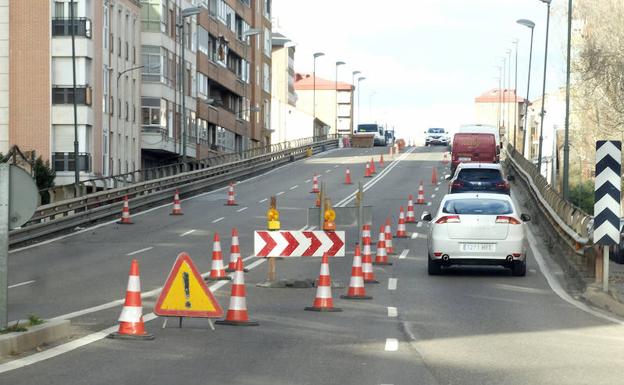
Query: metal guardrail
{"points": [[567, 219], [68, 214]]}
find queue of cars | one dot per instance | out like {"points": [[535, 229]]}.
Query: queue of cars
{"points": [[477, 222]]}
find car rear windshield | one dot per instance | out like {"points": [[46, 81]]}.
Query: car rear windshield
{"points": [[436, 131], [474, 140], [479, 174], [367, 128], [477, 206]]}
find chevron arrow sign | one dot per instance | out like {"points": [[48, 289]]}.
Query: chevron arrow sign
{"points": [[299, 243], [607, 192]]}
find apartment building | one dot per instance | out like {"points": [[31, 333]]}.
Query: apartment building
{"points": [[496, 108], [36, 84]]}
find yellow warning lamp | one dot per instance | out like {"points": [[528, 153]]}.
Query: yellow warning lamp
{"points": [[273, 222], [330, 216]]}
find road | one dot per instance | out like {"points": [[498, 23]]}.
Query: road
{"points": [[470, 326]]}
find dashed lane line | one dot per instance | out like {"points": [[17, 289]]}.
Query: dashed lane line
{"points": [[241, 209], [308, 180], [187, 233], [140, 251], [392, 312], [392, 283], [418, 235], [21, 284], [419, 224], [279, 193], [328, 171], [218, 220], [404, 254], [392, 345], [264, 200], [294, 187], [432, 196]]}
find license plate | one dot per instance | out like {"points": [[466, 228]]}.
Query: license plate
{"points": [[477, 247], [464, 159]]}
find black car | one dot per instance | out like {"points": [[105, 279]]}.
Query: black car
{"points": [[479, 177]]}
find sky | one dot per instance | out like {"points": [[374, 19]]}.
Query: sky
{"points": [[424, 60]]}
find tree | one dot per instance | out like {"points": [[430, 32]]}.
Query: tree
{"points": [[44, 178]]}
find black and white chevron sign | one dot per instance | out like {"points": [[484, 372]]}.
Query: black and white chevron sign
{"points": [[607, 192]]}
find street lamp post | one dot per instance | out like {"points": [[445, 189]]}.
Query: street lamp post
{"points": [[359, 92], [566, 141], [515, 42], [73, 50], [507, 90], [338, 63], [352, 99], [316, 55], [531, 25], [541, 137]]}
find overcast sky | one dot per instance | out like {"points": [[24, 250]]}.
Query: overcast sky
{"points": [[424, 60]]}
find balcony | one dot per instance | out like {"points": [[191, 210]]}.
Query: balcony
{"points": [[65, 161], [63, 27]]}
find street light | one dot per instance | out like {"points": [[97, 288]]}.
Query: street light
{"points": [[316, 55], [531, 25], [187, 12], [566, 141], [338, 63], [541, 137], [507, 90], [359, 92], [352, 98], [515, 42]]}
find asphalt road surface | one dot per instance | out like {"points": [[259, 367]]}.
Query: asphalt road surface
{"points": [[469, 326]]}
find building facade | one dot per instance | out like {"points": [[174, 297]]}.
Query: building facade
{"points": [[498, 108]]}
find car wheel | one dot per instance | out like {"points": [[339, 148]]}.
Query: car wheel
{"points": [[518, 269], [433, 267]]}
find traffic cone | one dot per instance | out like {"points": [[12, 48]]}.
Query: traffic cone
{"points": [[381, 160], [372, 166], [382, 254], [367, 171], [411, 218], [315, 186], [401, 233], [234, 252], [318, 199], [367, 258], [323, 300], [131, 324], [356, 283], [231, 201], [177, 209], [388, 234], [434, 176], [347, 176], [421, 194], [237, 312], [125, 213], [217, 272], [445, 160]]}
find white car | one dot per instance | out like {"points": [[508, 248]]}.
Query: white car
{"points": [[477, 229]]}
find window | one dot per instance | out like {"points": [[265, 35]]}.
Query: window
{"points": [[202, 40], [150, 15], [127, 111], [267, 9], [119, 107], [150, 113], [105, 90], [267, 114], [65, 95], [59, 9], [477, 207], [119, 47], [152, 63], [267, 42], [105, 31], [266, 78]]}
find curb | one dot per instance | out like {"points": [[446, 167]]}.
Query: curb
{"points": [[19, 342], [594, 296]]}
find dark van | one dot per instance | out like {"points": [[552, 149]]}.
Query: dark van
{"points": [[471, 147]]}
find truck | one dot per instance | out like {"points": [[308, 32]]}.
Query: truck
{"points": [[373, 128]]}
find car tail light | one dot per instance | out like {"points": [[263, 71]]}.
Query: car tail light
{"points": [[517, 255], [507, 220], [457, 184], [504, 185], [437, 253], [448, 219]]}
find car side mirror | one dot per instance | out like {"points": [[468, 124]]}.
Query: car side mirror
{"points": [[525, 217], [426, 217]]}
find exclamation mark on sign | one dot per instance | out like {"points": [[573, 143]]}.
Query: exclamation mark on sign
{"points": [[187, 290]]}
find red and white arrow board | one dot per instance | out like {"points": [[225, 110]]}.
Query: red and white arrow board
{"points": [[299, 243]]}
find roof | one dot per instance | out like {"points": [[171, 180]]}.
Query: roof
{"points": [[306, 82], [494, 96], [278, 40]]}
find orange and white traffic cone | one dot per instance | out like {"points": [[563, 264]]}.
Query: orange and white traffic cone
{"points": [[367, 171], [411, 218], [237, 312], [367, 258], [381, 160], [318, 199], [323, 300], [388, 234], [231, 200], [131, 324], [234, 252], [217, 272], [382, 254], [315, 185], [372, 166], [421, 194], [177, 209], [347, 176], [401, 233], [125, 213], [434, 176], [356, 288]]}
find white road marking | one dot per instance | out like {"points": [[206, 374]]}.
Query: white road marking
{"points": [[432, 196], [428, 203], [21, 284], [404, 254], [264, 200], [392, 312], [187, 233], [294, 187], [140, 251], [279, 193], [241, 209], [308, 180], [335, 166], [328, 171], [418, 235], [436, 189], [392, 345], [218, 220], [392, 283], [419, 224]]}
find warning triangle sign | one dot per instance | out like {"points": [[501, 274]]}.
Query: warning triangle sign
{"points": [[185, 293]]}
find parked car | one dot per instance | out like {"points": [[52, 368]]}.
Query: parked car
{"points": [[473, 148], [479, 177], [436, 136], [476, 229]]}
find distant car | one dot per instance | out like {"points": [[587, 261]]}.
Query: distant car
{"points": [[473, 148], [436, 136], [476, 229], [479, 177]]}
